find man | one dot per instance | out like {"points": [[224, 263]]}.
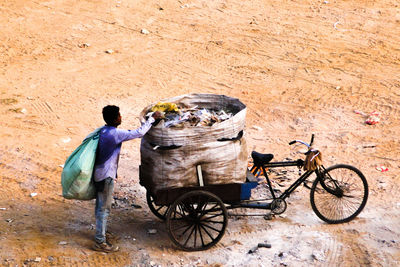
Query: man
{"points": [[105, 169]]}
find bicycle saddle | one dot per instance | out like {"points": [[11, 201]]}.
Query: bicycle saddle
{"points": [[260, 159]]}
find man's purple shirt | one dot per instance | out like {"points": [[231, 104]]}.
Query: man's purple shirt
{"points": [[109, 148]]}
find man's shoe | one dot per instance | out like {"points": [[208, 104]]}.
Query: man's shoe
{"points": [[105, 247]]}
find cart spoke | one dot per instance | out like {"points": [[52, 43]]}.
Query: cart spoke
{"points": [[205, 230], [210, 221], [180, 227], [213, 216], [195, 235], [210, 227], [201, 236], [189, 236], [212, 209], [186, 230]]}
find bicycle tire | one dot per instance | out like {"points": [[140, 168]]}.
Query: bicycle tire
{"points": [[339, 194]]}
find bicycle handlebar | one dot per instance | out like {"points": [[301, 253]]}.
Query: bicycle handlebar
{"points": [[302, 142]]}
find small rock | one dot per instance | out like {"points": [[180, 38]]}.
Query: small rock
{"points": [[326, 2], [9, 220], [109, 51], [185, 6], [61, 165], [144, 31], [62, 243], [50, 258], [338, 87], [24, 111], [37, 259], [3, 208], [33, 194]]}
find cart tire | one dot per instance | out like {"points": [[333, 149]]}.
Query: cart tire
{"points": [[340, 194], [159, 211], [197, 220]]}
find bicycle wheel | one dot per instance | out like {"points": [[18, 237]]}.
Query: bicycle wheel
{"points": [[197, 220], [159, 211], [339, 194]]}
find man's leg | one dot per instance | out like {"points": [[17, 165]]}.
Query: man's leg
{"points": [[102, 210]]}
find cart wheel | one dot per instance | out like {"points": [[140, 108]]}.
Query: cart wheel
{"points": [[159, 211], [197, 220]]}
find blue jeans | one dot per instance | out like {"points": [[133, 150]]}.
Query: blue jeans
{"points": [[103, 208]]}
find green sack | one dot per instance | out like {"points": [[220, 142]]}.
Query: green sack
{"points": [[76, 177]]}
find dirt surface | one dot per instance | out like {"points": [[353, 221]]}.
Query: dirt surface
{"points": [[301, 67]]}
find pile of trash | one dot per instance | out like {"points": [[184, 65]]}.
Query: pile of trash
{"points": [[174, 116]]}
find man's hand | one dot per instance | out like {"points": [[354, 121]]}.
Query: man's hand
{"points": [[157, 115]]}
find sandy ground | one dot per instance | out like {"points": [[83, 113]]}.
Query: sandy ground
{"points": [[301, 67]]}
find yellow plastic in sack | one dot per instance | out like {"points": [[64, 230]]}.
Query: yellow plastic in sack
{"points": [[165, 107]]}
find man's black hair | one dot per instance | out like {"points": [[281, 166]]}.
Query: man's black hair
{"points": [[110, 114]]}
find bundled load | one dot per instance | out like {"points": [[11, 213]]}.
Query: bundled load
{"points": [[196, 129]]}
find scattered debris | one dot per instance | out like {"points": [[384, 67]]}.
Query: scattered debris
{"points": [[253, 250], [373, 118], [257, 127], [66, 140], [109, 51], [318, 255], [144, 31], [83, 45], [173, 116], [62, 243], [9, 220], [264, 245], [382, 168], [360, 112], [151, 231], [369, 146], [33, 194], [136, 206]]}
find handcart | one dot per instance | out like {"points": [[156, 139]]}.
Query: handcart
{"points": [[197, 217]]}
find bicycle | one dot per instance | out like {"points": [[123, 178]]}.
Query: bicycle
{"points": [[338, 194]]}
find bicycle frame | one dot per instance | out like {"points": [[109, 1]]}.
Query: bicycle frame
{"points": [[255, 204]]}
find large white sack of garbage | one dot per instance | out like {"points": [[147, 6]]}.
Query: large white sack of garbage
{"points": [[169, 156]]}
